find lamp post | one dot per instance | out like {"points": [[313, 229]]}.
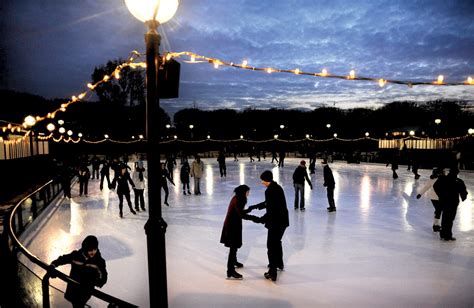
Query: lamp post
{"points": [[154, 13]]}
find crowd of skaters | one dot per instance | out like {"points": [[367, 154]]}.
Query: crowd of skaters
{"points": [[445, 190]]}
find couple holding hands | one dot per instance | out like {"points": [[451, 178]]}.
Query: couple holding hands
{"points": [[275, 220]]}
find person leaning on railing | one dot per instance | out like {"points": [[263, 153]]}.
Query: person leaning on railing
{"points": [[87, 267]]}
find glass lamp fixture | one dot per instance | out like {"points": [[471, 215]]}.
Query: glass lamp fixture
{"points": [[148, 10], [30, 120]]}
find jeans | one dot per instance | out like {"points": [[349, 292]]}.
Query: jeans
{"points": [[299, 195]]}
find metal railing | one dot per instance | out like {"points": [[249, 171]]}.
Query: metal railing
{"points": [[22, 215]]}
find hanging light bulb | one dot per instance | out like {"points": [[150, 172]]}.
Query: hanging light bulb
{"points": [[69, 133], [269, 70], [50, 127], [62, 130], [297, 71], [440, 79], [30, 121], [324, 72], [244, 63], [469, 80], [382, 82], [352, 74]]}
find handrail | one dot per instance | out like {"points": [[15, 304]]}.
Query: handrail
{"points": [[99, 294]]}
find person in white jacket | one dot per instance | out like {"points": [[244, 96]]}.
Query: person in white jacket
{"points": [[197, 170], [428, 187], [138, 177]]}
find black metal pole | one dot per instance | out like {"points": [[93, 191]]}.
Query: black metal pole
{"points": [[155, 227]]}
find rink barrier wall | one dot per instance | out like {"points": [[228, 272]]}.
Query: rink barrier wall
{"points": [[22, 215]]}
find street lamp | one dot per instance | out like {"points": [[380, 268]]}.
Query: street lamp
{"points": [[154, 13]]}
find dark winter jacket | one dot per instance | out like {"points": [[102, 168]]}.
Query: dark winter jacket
{"points": [[122, 180], [232, 230], [300, 175], [89, 272], [449, 188], [184, 174], [276, 216], [328, 177]]}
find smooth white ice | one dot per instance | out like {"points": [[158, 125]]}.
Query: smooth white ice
{"points": [[377, 250]]}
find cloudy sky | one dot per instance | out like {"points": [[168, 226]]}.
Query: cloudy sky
{"points": [[50, 48]]}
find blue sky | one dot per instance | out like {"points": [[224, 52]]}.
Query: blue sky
{"points": [[50, 48]]}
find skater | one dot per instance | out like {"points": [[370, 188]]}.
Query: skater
{"points": [[170, 162], [95, 167], [414, 168], [197, 170], [274, 156], [449, 188], [232, 230], [121, 182], [433, 197], [65, 179], [275, 220], [222, 166], [330, 184], [88, 268], [138, 178], [84, 174], [281, 163], [184, 176], [104, 173], [165, 176], [299, 177], [394, 163]]}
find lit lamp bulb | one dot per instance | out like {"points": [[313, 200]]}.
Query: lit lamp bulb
{"points": [[470, 131], [244, 63], [241, 136], [412, 133], [60, 122], [62, 130], [382, 82], [50, 127], [352, 74], [208, 136], [69, 132], [106, 136], [30, 120], [328, 125], [307, 135], [140, 136], [335, 135], [282, 126], [367, 134], [437, 121], [297, 71], [269, 70], [145, 9], [324, 72], [440, 79], [80, 135], [275, 136], [469, 80], [175, 137]]}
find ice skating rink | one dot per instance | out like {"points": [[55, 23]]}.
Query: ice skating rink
{"points": [[377, 250]]}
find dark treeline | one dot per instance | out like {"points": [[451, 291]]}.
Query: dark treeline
{"points": [[122, 121]]}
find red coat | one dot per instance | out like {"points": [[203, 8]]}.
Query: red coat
{"points": [[232, 230]]}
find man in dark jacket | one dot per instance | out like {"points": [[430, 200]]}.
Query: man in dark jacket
{"points": [[87, 268], [299, 176], [449, 188], [275, 220], [330, 184], [121, 180]]}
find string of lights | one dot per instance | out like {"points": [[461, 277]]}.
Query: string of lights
{"points": [[195, 58]]}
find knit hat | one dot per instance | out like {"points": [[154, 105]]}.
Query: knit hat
{"points": [[267, 176], [90, 243], [302, 162]]}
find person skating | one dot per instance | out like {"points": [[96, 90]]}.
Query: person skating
{"points": [[138, 178], [184, 176], [164, 178], [95, 162], [231, 235], [197, 170], [394, 163], [222, 166], [330, 184], [104, 173], [121, 181], [299, 177], [449, 189], [428, 187], [83, 175], [275, 220], [88, 268]]}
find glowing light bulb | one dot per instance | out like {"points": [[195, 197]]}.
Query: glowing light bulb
{"points": [[80, 135], [275, 136], [193, 58], [90, 86], [241, 136], [352, 74], [269, 70], [412, 133], [69, 133], [140, 136], [244, 63], [117, 75], [81, 96], [297, 71], [382, 82], [30, 120], [324, 72], [175, 137], [216, 64], [60, 122], [440, 79], [50, 127], [367, 134], [168, 57], [307, 136], [62, 130], [208, 137], [469, 80], [106, 136], [106, 77]]}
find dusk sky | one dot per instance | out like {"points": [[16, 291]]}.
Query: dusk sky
{"points": [[50, 48]]}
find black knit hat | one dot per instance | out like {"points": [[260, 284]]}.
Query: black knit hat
{"points": [[267, 176], [90, 243]]}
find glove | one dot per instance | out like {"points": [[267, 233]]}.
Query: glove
{"points": [[418, 196], [252, 207], [51, 271]]}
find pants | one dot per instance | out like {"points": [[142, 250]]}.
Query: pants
{"points": [[232, 259], [197, 185], [185, 185], [330, 194], [66, 185], [165, 188], [83, 185], [95, 173], [127, 196], [449, 213], [438, 209], [299, 195], [222, 170], [106, 175], [394, 174], [139, 200], [274, 248]]}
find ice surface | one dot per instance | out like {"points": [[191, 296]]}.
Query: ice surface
{"points": [[377, 250]]}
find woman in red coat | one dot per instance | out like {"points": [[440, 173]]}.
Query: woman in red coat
{"points": [[232, 231]]}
